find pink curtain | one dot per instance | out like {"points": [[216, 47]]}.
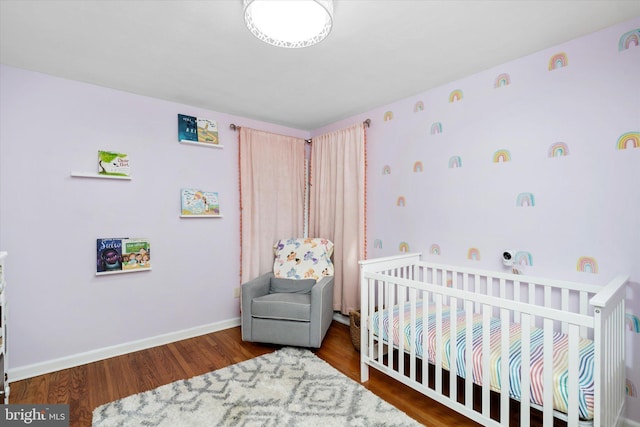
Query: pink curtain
{"points": [[272, 187], [337, 207]]}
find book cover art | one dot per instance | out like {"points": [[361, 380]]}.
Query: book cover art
{"points": [[112, 163], [109, 255], [136, 254], [198, 202], [187, 128], [207, 131]]}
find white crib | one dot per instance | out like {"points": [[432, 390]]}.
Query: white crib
{"points": [[576, 328]]}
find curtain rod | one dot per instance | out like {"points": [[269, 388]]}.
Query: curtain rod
{"points": [[235, 127]]}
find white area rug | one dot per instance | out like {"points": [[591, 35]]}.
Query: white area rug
{"points": [[290, 387]]}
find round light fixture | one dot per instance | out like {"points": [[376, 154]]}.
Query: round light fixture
{"points": [[289, 23]]}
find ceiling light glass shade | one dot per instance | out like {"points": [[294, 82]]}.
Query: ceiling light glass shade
{"points": [[289, 23]]}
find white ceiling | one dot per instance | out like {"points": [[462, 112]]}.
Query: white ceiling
{"points": [[200, 53]]}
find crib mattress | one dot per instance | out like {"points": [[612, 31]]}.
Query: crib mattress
{"points": [[560, 354]]}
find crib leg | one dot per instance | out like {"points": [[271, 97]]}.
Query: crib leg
{"points": [[364, 372]]}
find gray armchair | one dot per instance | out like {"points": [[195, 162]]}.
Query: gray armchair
{"points": [[287, 318]]}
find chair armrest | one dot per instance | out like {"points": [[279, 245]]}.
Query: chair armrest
{"points": [[249, 290], [321, 309]]}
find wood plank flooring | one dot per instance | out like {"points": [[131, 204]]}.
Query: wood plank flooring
{"points": [[88, 386]]}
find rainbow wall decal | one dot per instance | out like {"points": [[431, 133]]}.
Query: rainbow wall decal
{"points": [[633, 322], [418, 107], [455, 95], [404, 247], [418, 167], [435, 249], [587, 265], [377, 243], [629, 138], [525, 199], [436, 128], [630, 389], [559, 149], [523, 258], [401, 202], [388, 116], [455, 162], [501, 156], [473, 254], [632, 38], [502, 80], [558, 60], [386, 170]]}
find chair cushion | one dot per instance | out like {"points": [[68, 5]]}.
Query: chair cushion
{"points": [[303, 258], [302, 286], [282, 306]]}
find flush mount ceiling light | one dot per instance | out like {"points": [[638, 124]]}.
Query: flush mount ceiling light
{"points": [[289, 23]]}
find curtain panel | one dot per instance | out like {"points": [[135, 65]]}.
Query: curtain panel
{"points": [[337, 207], [272, 188]]}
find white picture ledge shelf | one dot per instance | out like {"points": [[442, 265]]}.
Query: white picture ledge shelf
{"points": [[200, 216], [106, 273], [201, 144], [97, 175]]}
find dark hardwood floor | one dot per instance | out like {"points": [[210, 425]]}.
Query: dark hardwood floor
{"points": [[88, 386]]}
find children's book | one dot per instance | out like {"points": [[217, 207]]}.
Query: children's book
{"points": [[199, 203], [112, 163], [136, 254], [207, 131], [187, 128], [109, 255]]}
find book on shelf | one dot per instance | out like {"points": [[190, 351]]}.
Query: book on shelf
{"points": [[122, 254], [112, 163], [196, 129], [196, 202]]}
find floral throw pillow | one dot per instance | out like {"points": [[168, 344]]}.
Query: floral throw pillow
{"points": [[303, 258]]}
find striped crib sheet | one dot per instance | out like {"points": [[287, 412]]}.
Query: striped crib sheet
{"points": [[560, 354]]}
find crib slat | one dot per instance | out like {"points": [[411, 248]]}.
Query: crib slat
{"points": [[583, 310], [383, 304], [532, 300], [525, 371], [438, 343], [425, 342], [390, 304], [572, 383], [564, 301], [468, 357], [401, 298], [413, 334], [516, 297], [486, 360], [504, 367], [547, 381], [453, 350]]}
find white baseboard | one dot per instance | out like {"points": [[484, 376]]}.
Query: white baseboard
{"points": [[339, 317], [22, 372]]}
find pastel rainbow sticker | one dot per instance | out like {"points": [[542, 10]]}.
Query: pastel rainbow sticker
{"points": [[401, 202], [632, 38], [525, 199], [587, 265], [418, 107], [386, 170], [473, 254], [633, 322], [455, 162], [558, 60], [436, 128], [559, 149], [629, 138], [435, 249], [388, 116], [404, 247], [455, 95], [417, 166], [502, 80], [501, 156], [377, 243], [523, 258], [630, 389]]}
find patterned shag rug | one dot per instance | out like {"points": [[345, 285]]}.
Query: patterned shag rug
{"points": [[290, 387]]}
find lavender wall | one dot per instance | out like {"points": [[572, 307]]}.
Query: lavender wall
{"points": [[434, 185], [49, 221]]}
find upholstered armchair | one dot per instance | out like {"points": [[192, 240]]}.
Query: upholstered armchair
{"points": [[293, 304]]}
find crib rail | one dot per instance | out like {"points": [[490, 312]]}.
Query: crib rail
{"points": [[578, 311]]}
